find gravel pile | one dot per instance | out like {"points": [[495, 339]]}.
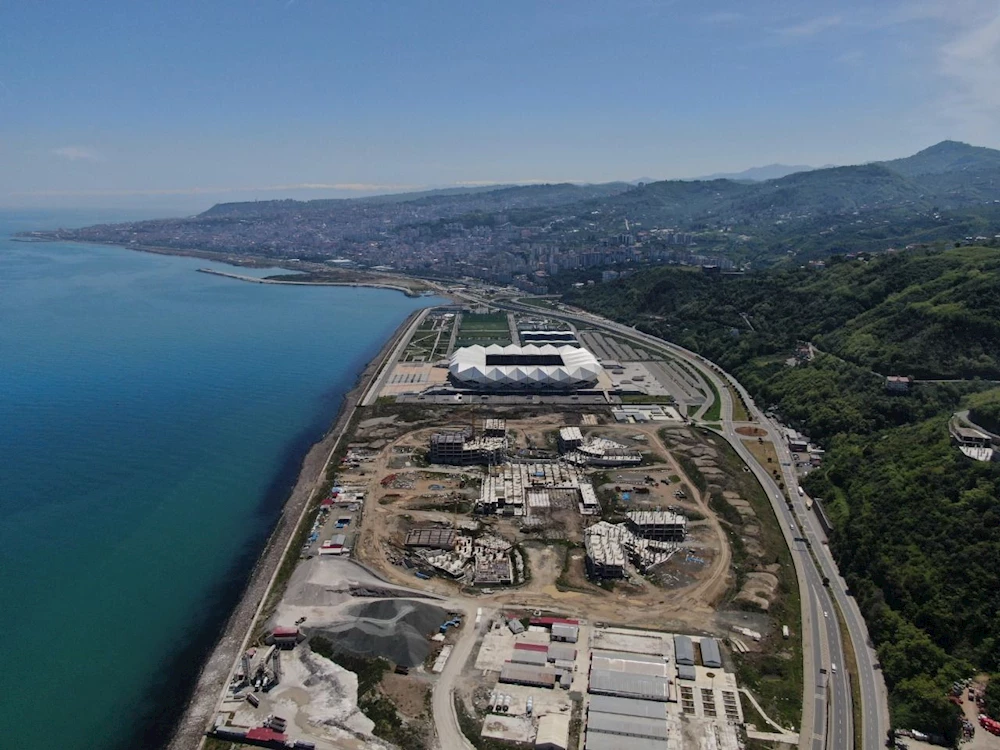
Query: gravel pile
{"points": [[395, 629]]}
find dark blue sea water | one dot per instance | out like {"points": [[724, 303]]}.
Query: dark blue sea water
{"points": [[152, 421]]}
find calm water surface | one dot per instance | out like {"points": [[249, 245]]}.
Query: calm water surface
{"points": [[152, 420]]}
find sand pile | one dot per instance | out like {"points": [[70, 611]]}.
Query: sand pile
{"points": [[395, 629]]}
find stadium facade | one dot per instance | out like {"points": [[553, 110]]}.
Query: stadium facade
{"points": [[520, 368]]}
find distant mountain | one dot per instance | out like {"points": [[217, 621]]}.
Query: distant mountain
{"points": [[759, 174], [945, 157], [946, 193]]}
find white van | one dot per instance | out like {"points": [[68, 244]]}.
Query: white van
{"points": [[833, 667]]}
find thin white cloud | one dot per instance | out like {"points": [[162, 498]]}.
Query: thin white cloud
{"points": [[78, 153], [970, 61], [811, 27]]}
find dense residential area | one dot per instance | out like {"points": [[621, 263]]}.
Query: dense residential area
{"points": [[540, 237]]}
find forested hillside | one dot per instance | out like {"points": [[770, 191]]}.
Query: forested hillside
{"points": [[917, 523], [929, 314]]}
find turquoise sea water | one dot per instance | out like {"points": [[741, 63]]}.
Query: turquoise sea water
{"points": [[152, 421]]}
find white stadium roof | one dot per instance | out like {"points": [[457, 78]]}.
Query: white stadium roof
{"points": [[523, 367]]}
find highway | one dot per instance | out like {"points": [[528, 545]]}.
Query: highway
{"points": [[827, 704]]}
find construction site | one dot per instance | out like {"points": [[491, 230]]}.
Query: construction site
{"points": [[496, 543]]}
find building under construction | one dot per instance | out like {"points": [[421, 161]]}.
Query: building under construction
{"points": [[462, 448], [658, 525]]}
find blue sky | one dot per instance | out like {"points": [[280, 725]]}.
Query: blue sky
{"points": [[185, 103]]}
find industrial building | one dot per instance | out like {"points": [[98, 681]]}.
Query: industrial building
{"points": [[519, 674], [625, 685], [627, 726], [565, 632], [521, 368], [659, 525], [609, 704]]}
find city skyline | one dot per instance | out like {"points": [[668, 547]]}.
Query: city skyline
{"points": [[187, 105]]}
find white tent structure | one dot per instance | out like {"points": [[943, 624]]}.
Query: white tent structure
{"points": [[529, 367]]}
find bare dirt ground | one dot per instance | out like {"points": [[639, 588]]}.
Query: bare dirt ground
{"points": [[409, 694], [690, 601]]}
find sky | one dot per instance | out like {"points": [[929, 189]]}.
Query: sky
{"points": [[183, 104]]}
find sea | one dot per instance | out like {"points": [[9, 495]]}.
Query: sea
{"points": [[152, 423]]}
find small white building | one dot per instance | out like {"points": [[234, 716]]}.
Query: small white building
{"points": [[553, 732]]}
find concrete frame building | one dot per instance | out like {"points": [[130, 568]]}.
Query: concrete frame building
{"points": [[663, 526]]}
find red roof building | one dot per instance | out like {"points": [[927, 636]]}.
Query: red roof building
{"points": [[550, 621], [265, 734]]}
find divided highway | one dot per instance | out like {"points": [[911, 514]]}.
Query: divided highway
{"points": [[827, 704]]}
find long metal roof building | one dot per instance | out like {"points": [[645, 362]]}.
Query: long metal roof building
{"points": [[711, 656], [609, 704], [602, 741], [683, 650], [627, 726], [603, 682]]}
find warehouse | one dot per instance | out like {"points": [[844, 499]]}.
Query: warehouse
{"points": [[603, 682], [632, 664], [560, 652], [601, 741], [518, 674], [609, 704], [711, 656], [626, 726], [531, 658], [519, 368], [565, 632], [683, 650]]}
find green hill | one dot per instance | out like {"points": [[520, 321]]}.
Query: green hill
{"points": [[930, 314], [917, 524]]}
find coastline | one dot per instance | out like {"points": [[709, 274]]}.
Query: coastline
{"points": [[189, 731], [255, 280], [235, 262]]}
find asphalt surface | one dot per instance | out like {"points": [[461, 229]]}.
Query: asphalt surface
{"points": [[827, 705]]}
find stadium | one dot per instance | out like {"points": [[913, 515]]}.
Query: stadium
{"points": [[520, 368]]}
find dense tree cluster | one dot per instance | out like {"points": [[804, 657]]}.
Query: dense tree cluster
{"points": [[917, 523]]}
